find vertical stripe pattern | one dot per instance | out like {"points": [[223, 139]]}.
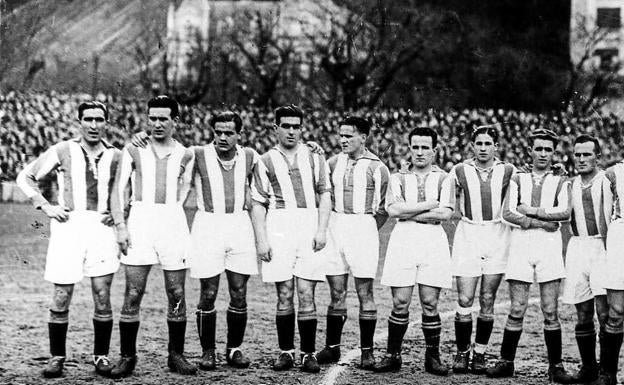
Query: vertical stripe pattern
{"points": [[409, 188], [481, 199], [591, 206], [359, 188], [279, 184]]}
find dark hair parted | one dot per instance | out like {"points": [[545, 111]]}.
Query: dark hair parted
{"points": [[488, 130], [424, 131], [227, 116], [362, 125], [164, 101], [288, 111], [92, 105], [584, 138], [544, 134]]}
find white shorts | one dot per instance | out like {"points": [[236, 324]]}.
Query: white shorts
{"points": [[535, 255], [584, 265], [291, 233], [81, 247], [158, 234], [614, 280], [355, 242], [417, 253], [480, 248], [222, 242]]}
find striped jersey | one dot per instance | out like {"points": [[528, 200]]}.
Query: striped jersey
{"points": [[481, 191], [84, 182], [550, 193], [153, 179], [280, 184], [615, 174], [358, 186], [221, 190], [412, 188], [592, 206]]}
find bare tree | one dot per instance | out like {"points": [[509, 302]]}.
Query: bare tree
{"points": [[367, 45], [262, 54], [589, 78]]}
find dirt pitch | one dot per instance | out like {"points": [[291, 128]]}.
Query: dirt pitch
{"points": [[25, 298]]}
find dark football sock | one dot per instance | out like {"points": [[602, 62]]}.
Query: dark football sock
{"points": [[463, 331], [206, 326], [177, 331], [285, 322], [511, 338], [102, 331], [236, 323], [586, 341], [432, 327], [128, 335], [368, 322], [613, 344], [552, 337], [307, 323], [484, 330], [336, 319], [58, 335], [397, 326]]}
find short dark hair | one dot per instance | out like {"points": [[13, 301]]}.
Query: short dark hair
{"points": [[544, 134], [92, 105], [424, 131], [164, 101], [362, 125], [227, 116], [585, 138], [289, 110], [488, 130]]}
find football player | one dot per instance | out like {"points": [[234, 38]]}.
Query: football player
{"points": [[611, 342], [290, 213], [479, 245], [592, 206], [82, 240], [418, 251], [156, 231], [222, 235], [535, 203], [359, 182]]}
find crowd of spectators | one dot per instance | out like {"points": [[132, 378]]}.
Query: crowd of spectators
{"points": [[30, 123]]}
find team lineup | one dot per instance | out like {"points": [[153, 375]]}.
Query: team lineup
{"points": [[308, 219]]}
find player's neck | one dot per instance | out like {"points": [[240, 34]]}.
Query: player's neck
{"points": [[357, 154], [288, 151], [487, 164], [92, 148], [422, 171], [227, 155], [586, 178], [540, 172], [163, 143]]}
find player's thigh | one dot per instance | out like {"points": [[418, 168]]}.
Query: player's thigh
{"points": [[102, 256], [434, 259], [400, 265], [66, 251], [361, 245], [240, 246], [282, 238], [207, 251], [520, 261]]}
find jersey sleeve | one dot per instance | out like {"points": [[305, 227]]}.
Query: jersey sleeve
{"points": [[27, 179]]}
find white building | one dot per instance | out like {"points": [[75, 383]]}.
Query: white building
{"points": [[596, 33]]}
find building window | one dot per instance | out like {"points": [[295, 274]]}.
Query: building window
{"points": [[608, 58], [608, 18]]}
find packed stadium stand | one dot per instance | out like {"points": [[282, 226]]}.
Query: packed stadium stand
{"points": [[30, 123]]}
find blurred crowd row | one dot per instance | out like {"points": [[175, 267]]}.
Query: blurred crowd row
{"points": [[30, 123]]}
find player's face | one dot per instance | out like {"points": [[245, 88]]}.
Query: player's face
{"points": [[542, 153], [351, 140], [161, 123], [225, 136], [422, 151], [484, 148], [289, 131], [92, 125], [585, 158]]}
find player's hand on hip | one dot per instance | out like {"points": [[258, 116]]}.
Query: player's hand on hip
{"points": [[107, 219], [140, 139], [550, 226], [60, 213], [123, 239], [264, 251], [319, 241]]}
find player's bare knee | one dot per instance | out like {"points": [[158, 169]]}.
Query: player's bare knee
{"points": [[338, 296], [465, 300], [517, 310], [285, 301], [62, 297], [175, 293], [551, 316], [430, 307], [486, 302], [238, 297]]}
